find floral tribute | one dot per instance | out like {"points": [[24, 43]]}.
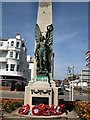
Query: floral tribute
{"points": [[24, 109], [83, 110], [42, 110]]}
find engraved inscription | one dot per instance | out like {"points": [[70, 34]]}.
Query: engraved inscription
{"points": [[44, 4]]}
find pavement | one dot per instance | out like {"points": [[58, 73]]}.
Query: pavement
{"points": [[15, 116]]}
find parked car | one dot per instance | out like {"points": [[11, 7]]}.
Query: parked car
{"points": [[60, 91], [67, 89]]}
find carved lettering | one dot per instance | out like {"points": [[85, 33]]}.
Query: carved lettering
{"points": [[44, 4]]}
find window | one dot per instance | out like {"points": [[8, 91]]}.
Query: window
{"points": [[6, 67], [17, 45], [3, 83], [11, 54], [17, 67], [12, 43], [12, 67], [0, 66], [1, 43], [17, 55], [8, 83]]}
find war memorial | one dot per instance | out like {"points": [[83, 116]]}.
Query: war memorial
{"points": [[41, 99], [42, 88], [41, 95]]}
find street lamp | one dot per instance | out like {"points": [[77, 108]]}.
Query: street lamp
{"points": [[81, 83], [71, 77]]}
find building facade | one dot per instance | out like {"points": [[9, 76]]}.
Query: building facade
{"points": [[14, 73], [84, 75], [88, 67], [88, 59], [30, 60]]}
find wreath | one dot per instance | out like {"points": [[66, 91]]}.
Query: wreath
{"points": [[41, 109], [36, 110], [62, 106], [24, 109], [46, 110], [53, 110], [57, 110]]}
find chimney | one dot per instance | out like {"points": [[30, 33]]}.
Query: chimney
{"points": [[18, 36]]}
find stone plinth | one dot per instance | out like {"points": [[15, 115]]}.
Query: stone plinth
{"points": [[40, 92]]}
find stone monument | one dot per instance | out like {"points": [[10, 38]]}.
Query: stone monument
{"points": [[42, 88]]}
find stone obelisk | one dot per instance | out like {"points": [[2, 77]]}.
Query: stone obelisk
{"points": [[42, 89], [44, 17]]}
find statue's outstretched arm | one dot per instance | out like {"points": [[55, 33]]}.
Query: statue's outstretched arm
{"points": [[49, 35]]}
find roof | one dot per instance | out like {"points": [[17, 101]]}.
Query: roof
{"points": [[3, 39]]}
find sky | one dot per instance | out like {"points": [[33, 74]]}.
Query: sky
{"points": [[70, 35]]}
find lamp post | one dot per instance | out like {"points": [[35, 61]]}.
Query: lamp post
{"points": [[71, 76], [81, 83]]}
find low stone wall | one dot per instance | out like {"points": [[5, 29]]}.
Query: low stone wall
{"points": [[5, 88]]}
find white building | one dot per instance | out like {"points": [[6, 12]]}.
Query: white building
{"points": [[30, 60], [82, 82], [13, 63], [88, 66], [84, 74]]}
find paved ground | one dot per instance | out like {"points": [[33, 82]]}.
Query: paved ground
{"points": [[14, 116]]}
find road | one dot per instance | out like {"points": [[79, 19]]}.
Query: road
{"points": [[11, 94], [77, 96]]}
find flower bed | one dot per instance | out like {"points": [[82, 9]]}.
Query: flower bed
{"points": [[9, 105], [83, 110]]}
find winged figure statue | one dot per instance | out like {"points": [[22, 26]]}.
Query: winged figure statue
{"points": [[43, 48]]}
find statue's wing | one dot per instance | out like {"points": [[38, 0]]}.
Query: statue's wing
{"points": [[37, 33]]}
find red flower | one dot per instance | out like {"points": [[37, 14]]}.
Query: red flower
{"points": [[24, 110]]}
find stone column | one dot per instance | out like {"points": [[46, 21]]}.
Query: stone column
{"points": [[44, 17]]}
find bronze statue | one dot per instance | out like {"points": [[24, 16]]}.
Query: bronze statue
{"points": [[43, 49]]}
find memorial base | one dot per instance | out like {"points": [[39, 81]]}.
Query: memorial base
{"points": [[40, 92]]}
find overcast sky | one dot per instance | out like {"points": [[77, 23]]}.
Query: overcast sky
{"points": [[70, 21]]}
